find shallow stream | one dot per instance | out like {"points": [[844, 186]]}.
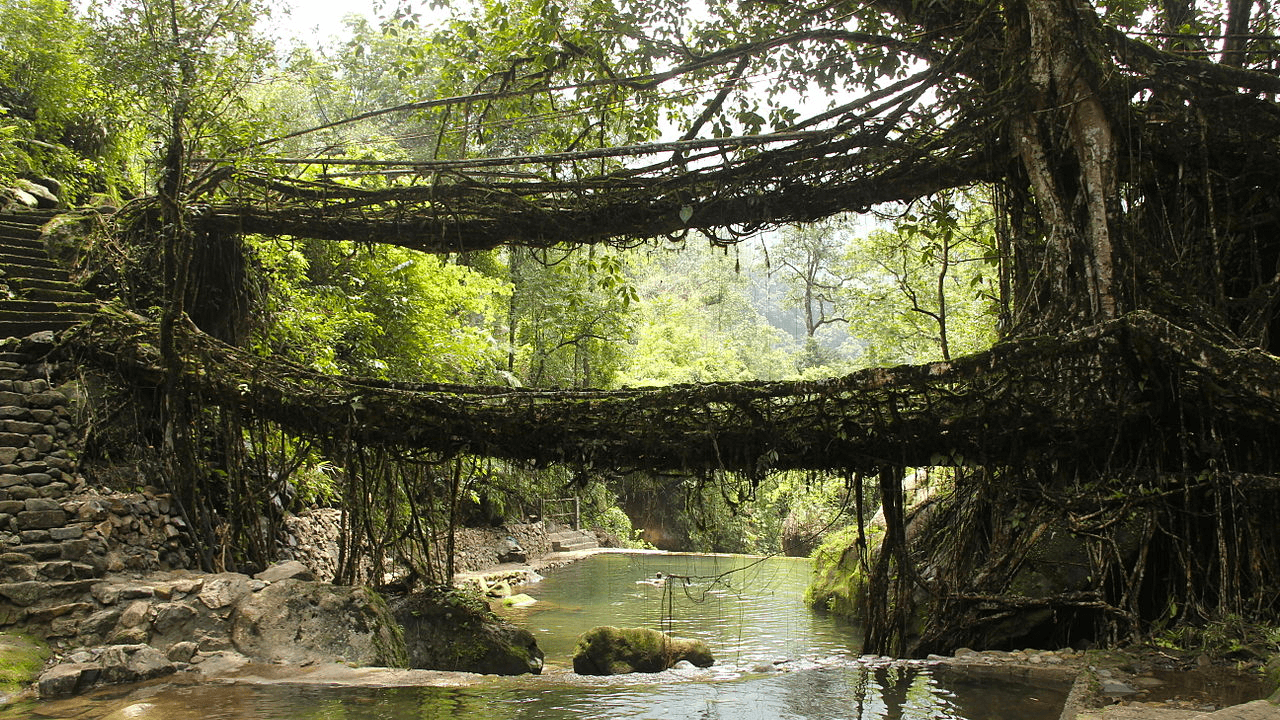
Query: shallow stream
{"points": [[776, 660]]}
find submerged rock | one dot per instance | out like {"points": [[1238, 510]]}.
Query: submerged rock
{"points": [[447, 629], [609, 650]]}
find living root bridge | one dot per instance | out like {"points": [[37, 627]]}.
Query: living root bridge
{"points": [[1134, 392]]}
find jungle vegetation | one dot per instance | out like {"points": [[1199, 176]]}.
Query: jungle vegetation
{"points": [[766, 258]]}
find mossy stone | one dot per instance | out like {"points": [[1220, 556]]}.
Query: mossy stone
{"points": [[21, 660], [608, 650]]}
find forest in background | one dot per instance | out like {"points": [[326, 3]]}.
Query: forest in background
{"points": [[910, 284], [1101, 203]]}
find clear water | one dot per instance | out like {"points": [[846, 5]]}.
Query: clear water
{"points": [[747, 610], [751, 614]]}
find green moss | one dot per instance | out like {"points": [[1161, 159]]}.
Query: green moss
{"points": [[839, 584], [389, 638], [21, 660], [608, 650]]}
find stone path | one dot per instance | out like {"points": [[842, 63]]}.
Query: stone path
{"points": [[36, 294]]}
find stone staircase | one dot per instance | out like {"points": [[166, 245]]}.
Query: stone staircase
{"points": [[570, 540], [46, 561], [36, 294]]}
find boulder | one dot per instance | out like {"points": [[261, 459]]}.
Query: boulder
{"points": [[299, 622], [67, 679], [44, 198], [286, 570], [13, 199], [450, 629], [509, 551], [609, 650], [21, 660], [133, 663], [224, 590]]}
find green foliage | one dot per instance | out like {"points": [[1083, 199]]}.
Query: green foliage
{"points": [[568, 317], [380, 312], [58, 114], [1228, 636], [925, 289], [696, 323], [185, 60]]}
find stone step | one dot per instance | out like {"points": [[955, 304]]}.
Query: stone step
{"points": [[28, 243], [26, 271], [37, 305], [28, 285], [11, 229], [23, 328], [570, 540], [54, 316], [74, 297], [31, 592], [19, 264], [12, 248], [34, 215]]}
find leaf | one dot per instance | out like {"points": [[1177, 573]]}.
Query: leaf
{"points": [[686, 212]]}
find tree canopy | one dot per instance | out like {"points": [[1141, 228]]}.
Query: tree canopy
{"points": [[1131, 154]]}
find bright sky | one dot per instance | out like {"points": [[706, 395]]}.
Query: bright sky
{"points": [[315, 21]]}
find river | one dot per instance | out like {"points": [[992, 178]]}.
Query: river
{"points": [[776, 659]]}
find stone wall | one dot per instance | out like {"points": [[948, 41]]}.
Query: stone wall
{"points": [[312, 539], [58, 534], [478, 548]]}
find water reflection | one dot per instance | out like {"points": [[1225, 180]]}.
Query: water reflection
{"points": [[746, 610], [845, 690], [751, 614]]}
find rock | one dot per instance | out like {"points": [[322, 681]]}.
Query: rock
{"points": [[611, 651], [136, 614], [67, 679], [224, 590], [136, 711], [183, 651], [519, 600], [50, 184], [219, 663], [101, 622], [24, 593], [171, 617], [509, 551], [286, 570], [1115, 687], [13, 199], [456, 630], [133, 663], [21, 660], [298, 622]]}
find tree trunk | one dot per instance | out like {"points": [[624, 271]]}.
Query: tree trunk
{"points": [[1067, 148]]}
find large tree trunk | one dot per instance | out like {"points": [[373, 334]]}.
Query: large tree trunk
{"points": [[1067, 147]]}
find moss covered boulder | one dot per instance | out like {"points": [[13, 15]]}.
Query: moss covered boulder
{"points": [[609, 650], [453, 629], [21, 659]]}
